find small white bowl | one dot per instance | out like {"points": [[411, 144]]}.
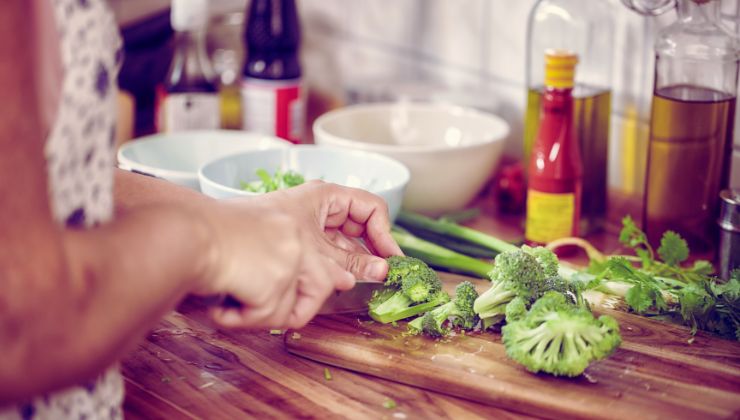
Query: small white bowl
{"points": [[177, 157], [378, 174], [451, 151]]}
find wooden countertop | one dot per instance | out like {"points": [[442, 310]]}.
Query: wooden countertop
{"points": [[186, 368]]}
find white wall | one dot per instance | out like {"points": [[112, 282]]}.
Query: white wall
{"points": [[472, 51]]}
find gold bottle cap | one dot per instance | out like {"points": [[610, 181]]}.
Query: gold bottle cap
{"points": [[560, 68]]}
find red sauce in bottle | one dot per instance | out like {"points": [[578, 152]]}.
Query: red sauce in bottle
{"points": [[555, 167]]}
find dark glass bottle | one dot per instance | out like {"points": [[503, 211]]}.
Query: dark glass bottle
{"points": [[189, 98], [272, 97]]}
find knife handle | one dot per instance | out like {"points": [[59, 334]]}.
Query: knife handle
{"points": [[224, 301]]}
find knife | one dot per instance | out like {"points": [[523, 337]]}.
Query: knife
{"points": [[347, 302], [351, 301]]}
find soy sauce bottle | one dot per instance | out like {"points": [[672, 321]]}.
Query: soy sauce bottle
{"points": [[188, 99], [272, 91], [555, 168]]}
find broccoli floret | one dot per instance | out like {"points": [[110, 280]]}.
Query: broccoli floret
{"points": [[412, 288], [559, 338], [420, 284], [516, 309], [459, 312], [516, 273], [527, 273], [399, 267], [547, 259], [556, 283]]}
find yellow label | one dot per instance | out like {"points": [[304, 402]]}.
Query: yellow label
{"points": [[549, 216]]}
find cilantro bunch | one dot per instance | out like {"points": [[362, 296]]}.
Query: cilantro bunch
{"points": [[657, 283]]}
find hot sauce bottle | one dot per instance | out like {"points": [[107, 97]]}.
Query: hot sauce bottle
{"points": [[555, 167]]}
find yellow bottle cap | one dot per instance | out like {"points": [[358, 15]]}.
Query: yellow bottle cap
{"points": [[560, 68]]}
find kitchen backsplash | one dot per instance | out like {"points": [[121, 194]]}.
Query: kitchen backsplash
{"points": [[471, 52]]}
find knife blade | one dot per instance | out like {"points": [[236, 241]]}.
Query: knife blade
{"points": [[347, 302], [350, 301]]}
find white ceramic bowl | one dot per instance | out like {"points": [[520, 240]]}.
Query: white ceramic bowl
{"points": [[451, 151], [177, 157], [378, 174]]}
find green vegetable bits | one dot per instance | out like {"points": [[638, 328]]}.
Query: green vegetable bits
{"points": [[267, 183]]}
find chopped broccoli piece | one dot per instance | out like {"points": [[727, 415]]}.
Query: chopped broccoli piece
{"points": [[516, 309], [547, 259], [459, 312], [400, 267], [527, 273], [412, 288], [559, 338]]}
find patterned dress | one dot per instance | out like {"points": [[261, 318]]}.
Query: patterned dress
{"points": [[80, 157]]}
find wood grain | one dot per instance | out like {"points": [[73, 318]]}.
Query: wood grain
{"points": [[654, 374], [186, 368]]}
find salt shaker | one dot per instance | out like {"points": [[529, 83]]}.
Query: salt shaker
{"points": [[729, 237]]}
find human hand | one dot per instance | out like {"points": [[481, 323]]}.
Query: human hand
{"points": [[337, 217], [282, 254]]}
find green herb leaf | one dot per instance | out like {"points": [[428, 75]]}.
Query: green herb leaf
{"points": [[630, 234], [673, 249], [639, 298], [389, 404], [327, 374], [702, 268]]}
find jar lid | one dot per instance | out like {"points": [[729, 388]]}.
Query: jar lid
{"points": [[729, 210]]}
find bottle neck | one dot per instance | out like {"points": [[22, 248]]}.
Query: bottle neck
{"points": [[191, 68], [557, 115], [698, 11]]}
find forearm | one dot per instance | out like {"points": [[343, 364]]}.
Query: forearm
{"points": [[98, 292], [133, 190]]}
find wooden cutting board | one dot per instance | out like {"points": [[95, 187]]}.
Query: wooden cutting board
{"points": [[655, 373]]}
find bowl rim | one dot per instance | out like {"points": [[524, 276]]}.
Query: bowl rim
{"points": [[203, 179], [321, 133], [127, 164]]}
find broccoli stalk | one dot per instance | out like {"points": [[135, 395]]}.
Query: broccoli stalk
{"points": [[559, 338], [492, 303], [459, 312], [399, 306], [438, 256], [412, 288]]}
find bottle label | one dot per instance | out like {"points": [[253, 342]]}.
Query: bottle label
{"points": [[549, 216], [274, 107], [189, 111]]}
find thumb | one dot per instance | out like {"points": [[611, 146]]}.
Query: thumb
{"points": [[366, 266]]}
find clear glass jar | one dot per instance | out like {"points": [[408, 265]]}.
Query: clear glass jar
{"points": [[586, 28], [691, 127]]}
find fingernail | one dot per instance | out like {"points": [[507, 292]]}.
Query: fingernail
{"points": [[375, 270]]}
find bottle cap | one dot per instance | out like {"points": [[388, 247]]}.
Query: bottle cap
{"points": [[189, 15], [560, 68]]}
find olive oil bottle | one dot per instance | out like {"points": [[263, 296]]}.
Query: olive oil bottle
{"points": [[691, 128], [688, 161], [591, 109]]}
